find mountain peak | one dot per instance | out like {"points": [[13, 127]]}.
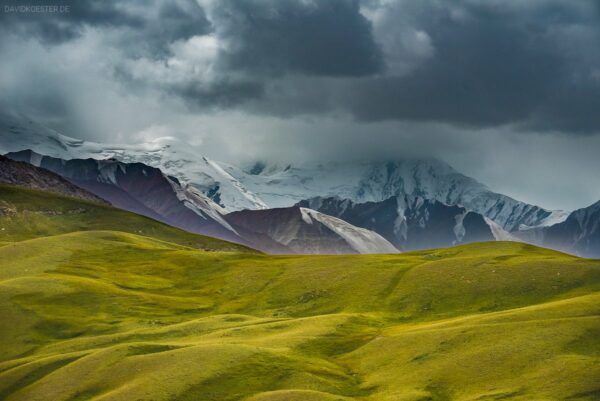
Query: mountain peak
{"points": [[264, 185]]}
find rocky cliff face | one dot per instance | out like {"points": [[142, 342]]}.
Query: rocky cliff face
{"points": [[28, 176], [409, 222], [305, 231]]}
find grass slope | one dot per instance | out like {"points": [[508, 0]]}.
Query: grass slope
{"points": [[105, 315], [27, 214]]}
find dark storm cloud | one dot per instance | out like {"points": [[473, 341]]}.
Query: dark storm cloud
{"points": [[181, 21], [494, 66], [175, 21], [490, 69], [281, 39], [221, 94], [466, 81], [283, 36], [570, 108], [149, 27], [534, 65], [58, 27]]}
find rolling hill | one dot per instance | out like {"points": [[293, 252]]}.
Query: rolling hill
{"points": [[27, 214], [109, 315]]}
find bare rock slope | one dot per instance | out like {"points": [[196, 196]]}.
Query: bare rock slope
{"points": [[28, 176]]}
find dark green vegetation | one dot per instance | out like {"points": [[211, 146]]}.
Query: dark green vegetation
{"points": [[109, 315]]}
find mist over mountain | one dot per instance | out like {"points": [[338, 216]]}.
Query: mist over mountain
{"points": [[413, 203], [373, 182], [264, 185]]}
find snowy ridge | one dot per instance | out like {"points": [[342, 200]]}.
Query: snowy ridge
{"points": [[499, 233], [226, 177], [557, 216], [199, 204], [374, 182], [585, 216], [409, 222], [264, 185], [141, 189], [173, 157], [360, 239]]}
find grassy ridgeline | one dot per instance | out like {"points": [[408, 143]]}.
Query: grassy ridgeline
{"points": [[27, 214], [106, 315]]}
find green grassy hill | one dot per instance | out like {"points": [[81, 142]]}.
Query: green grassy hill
{"points": [[27, 214], [105, 314]]}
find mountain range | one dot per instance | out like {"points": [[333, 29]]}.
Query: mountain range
{"points": [[145, 190], [262, 186], [141, 189], [305, 231], [411, 223], [377, 181], [407, 203]]}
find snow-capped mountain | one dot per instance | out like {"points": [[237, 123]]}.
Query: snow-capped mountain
{"points": [[410, 222], [263, 185], [375, 182], [171, 156], [141, 189], [305, 231], [146, 190]]}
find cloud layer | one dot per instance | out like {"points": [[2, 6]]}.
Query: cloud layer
{"points": [[253, 78], [470, 62]]}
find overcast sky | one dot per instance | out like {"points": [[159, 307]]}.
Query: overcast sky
{"points": [[507, 91]]}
